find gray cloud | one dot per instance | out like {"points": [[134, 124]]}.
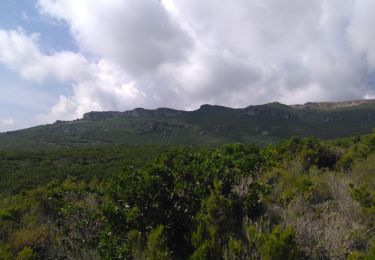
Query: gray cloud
{"points": [[137, 34], [301, 49], [184, 53], [360, 30]]}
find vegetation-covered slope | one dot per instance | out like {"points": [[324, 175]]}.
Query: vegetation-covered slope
{"points": [[20, 170], [300, 199], [209, 125]]}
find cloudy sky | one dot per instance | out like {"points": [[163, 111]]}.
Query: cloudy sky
{"points": [[62, 58]]}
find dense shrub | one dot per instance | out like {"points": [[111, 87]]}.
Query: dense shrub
{"points": [[289, 201], [281, 244], [170, 192]]}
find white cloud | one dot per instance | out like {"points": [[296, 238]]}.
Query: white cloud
{"points": [[137, 34], [107, 89], [6, 124], [21, 53], [96, 86], [184, 53], [369, 96], [297, 48]]}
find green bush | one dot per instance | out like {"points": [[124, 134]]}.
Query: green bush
{"points": [[5, 252], [26, 254], [156, 247], [281, 244], [199, 204], [235, 249], [170, 191], [215, 225]]}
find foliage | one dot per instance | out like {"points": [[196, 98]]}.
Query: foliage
{"points": [[22, 170], [26, 254], [156, 248], [216, 222], [281, 244], [302, 198], [170, 192]]}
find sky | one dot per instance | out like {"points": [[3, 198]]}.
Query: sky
{"points": [[62, 58]]}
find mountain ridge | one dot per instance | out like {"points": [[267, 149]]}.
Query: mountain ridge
{"points": [[209, 125], [334, 105], [170, 112]]}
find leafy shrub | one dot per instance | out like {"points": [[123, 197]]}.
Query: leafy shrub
{"points": [[5, 252], [156, 248], [357, 255], [215, 225], [30, 237], [235, 249], [281, 244], [170, 191], [346, 161], [201, 204], [363, 196], [26, 254]]}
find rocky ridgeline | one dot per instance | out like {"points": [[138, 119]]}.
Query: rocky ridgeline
{"points": [[207, 125], [273, 110], [138, 112]]}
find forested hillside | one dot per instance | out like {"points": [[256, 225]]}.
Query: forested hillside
{"points": [[208, 126], [20, 170], [298, 199]]}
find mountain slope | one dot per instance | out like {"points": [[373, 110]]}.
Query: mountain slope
{"points": [[209, 125]]}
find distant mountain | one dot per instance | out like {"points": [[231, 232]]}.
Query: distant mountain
{"points": [[334, 105], [209, 125]]}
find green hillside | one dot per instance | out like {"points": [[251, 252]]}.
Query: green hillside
{"points": [[168, 184], [207, 126], [22, 170], [298, 199]]}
